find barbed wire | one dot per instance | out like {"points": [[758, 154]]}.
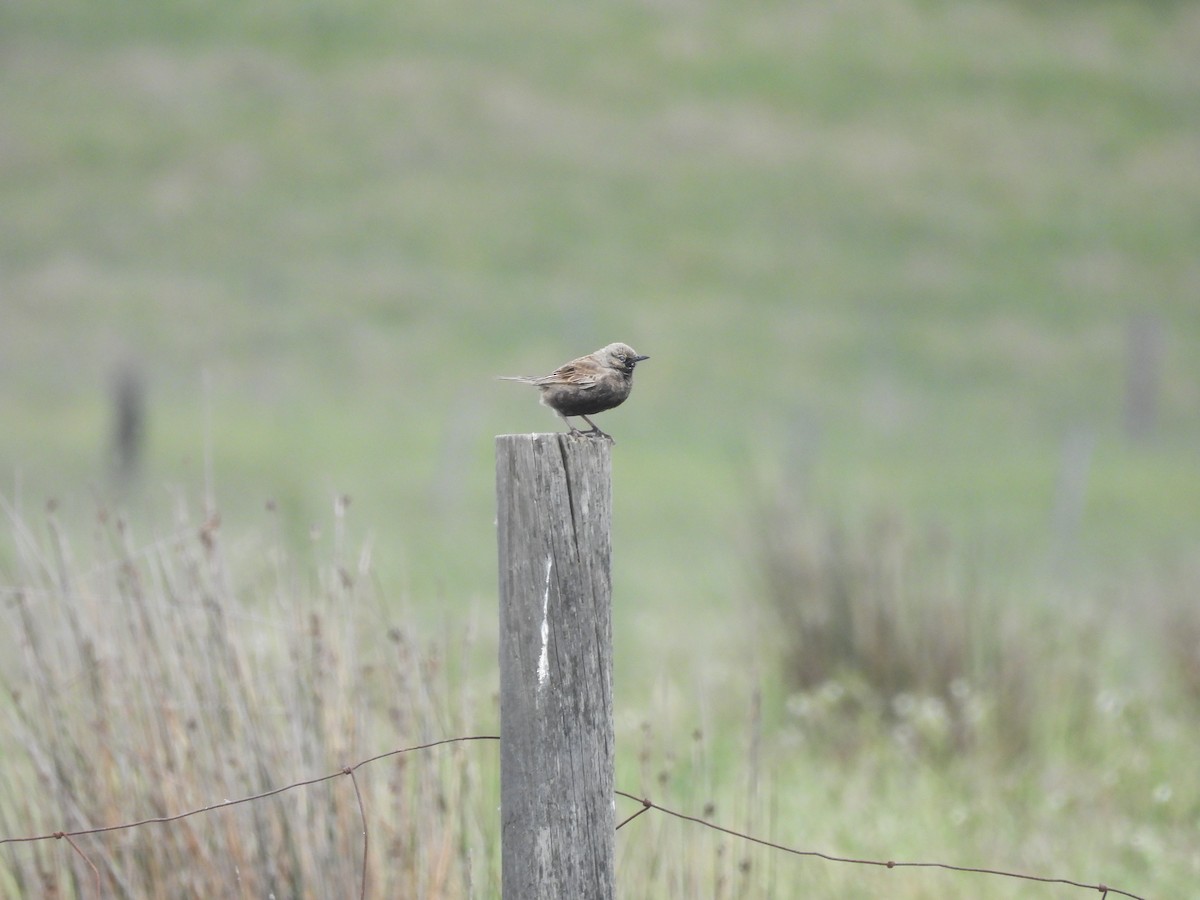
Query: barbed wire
{"points": [[646, 805], [226, 804]]}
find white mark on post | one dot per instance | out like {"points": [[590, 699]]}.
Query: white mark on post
{"points": [[543, 668]]}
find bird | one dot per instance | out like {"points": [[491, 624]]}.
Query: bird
{"points": [[588, 385]]}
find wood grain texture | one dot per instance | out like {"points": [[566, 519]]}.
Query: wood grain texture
{"points": [[554, 515]]}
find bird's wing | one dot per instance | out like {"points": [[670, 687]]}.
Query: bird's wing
{"points": [[573, 374]]}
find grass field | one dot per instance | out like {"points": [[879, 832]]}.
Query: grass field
{"points": [[890, 260]]}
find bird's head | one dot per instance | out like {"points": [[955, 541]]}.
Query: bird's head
{"points": [[621, 357]]}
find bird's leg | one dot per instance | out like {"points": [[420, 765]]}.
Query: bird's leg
{"points": [[571, 429], [595, 429]]}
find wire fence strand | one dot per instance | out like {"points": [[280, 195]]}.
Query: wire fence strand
{"points": [[646, 806]]}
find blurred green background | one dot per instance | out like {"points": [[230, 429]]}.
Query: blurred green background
{"points": [[891, 255], [931, 259]]}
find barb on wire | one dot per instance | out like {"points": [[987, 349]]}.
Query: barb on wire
{"points": [[647, 804], [62, 835], [362, 812]]}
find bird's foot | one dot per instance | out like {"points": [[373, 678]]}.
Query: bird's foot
{"points": [[596, 432]]}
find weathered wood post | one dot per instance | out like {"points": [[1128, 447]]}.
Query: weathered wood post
{"points": [[554, 514]]}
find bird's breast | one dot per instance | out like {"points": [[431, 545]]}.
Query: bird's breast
{"points": [[573, 400]]}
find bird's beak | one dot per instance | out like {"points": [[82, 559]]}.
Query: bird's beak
{"points": [[638, 359]]}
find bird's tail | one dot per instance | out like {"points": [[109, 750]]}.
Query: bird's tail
{"points": [[523, 379]]}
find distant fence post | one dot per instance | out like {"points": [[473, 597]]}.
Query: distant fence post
{"points": [[1145, 349], [557, 807]]}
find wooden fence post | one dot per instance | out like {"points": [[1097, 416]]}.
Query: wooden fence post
{"points": [[557, 812]]}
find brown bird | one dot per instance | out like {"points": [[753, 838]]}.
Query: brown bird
{"points": [[588, 385]]}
